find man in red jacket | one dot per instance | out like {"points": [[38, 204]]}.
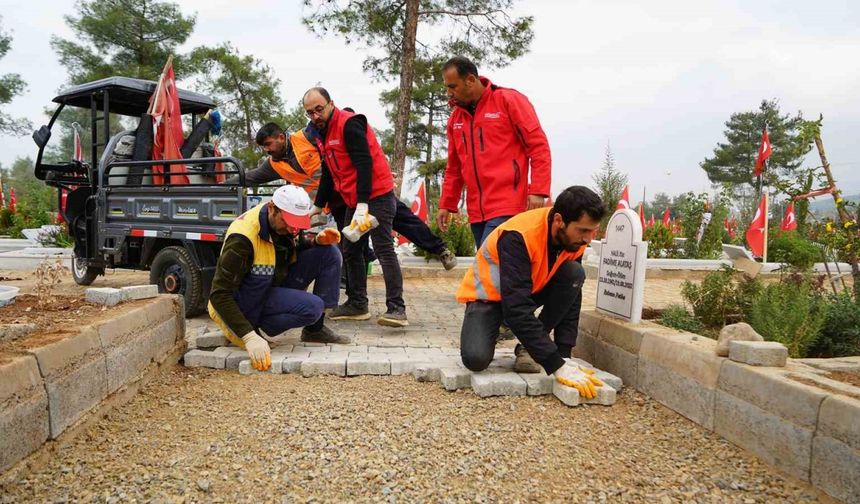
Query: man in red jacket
{"points": [[496, 148]]}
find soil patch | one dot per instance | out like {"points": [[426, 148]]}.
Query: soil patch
{"points": [[849, 378], [63, 316]]}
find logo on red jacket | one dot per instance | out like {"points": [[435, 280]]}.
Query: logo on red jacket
{"points": [[457, 126], [492, 115]]}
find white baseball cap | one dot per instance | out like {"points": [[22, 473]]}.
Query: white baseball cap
{"points": [[294, 204]]}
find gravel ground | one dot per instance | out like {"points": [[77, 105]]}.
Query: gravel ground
{"points": [[215, 436]]}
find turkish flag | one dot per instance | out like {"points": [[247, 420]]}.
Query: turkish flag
{"points": [[624, 202], [764, 152], [667, 218], [651, 221], [755, 233], [419, 208], [13, 201], [79, 151], [642, 216], [789, 223], [167, 127]]}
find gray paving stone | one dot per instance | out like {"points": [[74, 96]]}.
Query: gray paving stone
{"points": [[498, 384], [609, 379], [318, 365], [134, 292], [404, 364], [455, 378], [106, 296], [236, 356], [246, 369], [367, 364], [606, 396], [293, 362], [312, 349], [212, 339], [277, 363], [758, 353], [428, 371], [386, 350], [537, 383], [348, 348], [214, 359]]}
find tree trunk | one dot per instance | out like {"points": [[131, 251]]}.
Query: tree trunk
{"points": [[404, 102]]}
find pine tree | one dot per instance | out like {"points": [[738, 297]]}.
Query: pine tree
{"points": [[11, 85]]}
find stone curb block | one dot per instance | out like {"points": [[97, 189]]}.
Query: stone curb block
{"points": [[537, 383], [758, 353], [211, 339], [215, 359], [135, 292], [455, 378], [318, 366], [836, 448], [498, 384], [106, 296], [24, 424], [367, 364]]}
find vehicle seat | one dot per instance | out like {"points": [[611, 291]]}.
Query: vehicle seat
{"points": [[120, 148]]}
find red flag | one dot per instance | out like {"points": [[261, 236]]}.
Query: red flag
{"points": [[642, 216], [419, 208], [755, 233], [789, 223], [79, 151], [624, 202], [219, 177], [764, 152], [667, 217], [2, 198], [651, 221], [167, 126], [12, 200]]}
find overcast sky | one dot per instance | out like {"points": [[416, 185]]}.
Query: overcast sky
{"points": [[657, 80]]}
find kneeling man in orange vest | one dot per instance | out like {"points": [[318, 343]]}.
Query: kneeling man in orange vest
{"points": [[531, 261]]}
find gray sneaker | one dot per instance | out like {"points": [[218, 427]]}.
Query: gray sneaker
{"points": [[324, 335], [448, 259], [524, 362], [393, 319], [348, 311]]}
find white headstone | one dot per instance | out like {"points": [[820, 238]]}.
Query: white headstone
{"points": [[621, 275]]}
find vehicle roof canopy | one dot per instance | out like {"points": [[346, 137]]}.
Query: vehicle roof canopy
{"points": [[129, 96]]}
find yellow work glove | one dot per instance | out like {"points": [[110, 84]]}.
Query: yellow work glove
{"points": [[328, 236], [259, 351], [580, 378], [361, 218]]}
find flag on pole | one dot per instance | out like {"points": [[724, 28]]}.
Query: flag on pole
{"points": [[167, 126], [642, 216], [651, 221], [789, 222], [419, 208], [755, 233], [624, 202], [2, 198], [667, 218], [764, 152], [79, 151], [12, 200]]}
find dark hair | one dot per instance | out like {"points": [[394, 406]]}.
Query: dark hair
{"points": [[576, 200], [463, 65], [321, 90], [268, 130]]}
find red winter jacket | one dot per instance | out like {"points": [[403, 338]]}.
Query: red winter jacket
{"points": [[490, 153], [343, 172]]}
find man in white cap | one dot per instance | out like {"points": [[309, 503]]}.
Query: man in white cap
{"points": [[265, 267]]}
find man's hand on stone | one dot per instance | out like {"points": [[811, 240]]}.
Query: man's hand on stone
{"points": [[259, 351], [535, 201], [580, 378]]}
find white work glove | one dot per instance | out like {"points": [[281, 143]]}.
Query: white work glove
{"points": [[360, 219], [259, 351], [573, 375]]}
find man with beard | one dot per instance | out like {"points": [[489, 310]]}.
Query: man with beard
{"points": [[527, 262]]}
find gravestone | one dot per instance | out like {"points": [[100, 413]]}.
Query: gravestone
{"points": [[621, 272]]}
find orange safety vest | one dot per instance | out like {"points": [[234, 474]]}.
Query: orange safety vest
{"points": [[309, 159], [481, 281]]}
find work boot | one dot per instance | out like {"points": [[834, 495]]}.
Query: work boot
{"points": [[448, 259], [348, 311], [324, 335], [524, 362], [393, 318], [505, 333]]}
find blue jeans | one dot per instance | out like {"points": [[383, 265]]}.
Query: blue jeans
{"points": [[481, 230], [290, 305]]}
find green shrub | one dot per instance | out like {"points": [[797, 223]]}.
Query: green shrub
{"points": [[458, 237], [840, 335], [677, 317], [792, 249], [716, 300], [661, 242], [790, 313]]}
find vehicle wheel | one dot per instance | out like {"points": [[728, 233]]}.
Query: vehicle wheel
{"points": [[174, 272], [82, 273]]}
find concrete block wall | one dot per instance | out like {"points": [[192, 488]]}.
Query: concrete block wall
{"points": [[810, 432], [50, 388]]}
